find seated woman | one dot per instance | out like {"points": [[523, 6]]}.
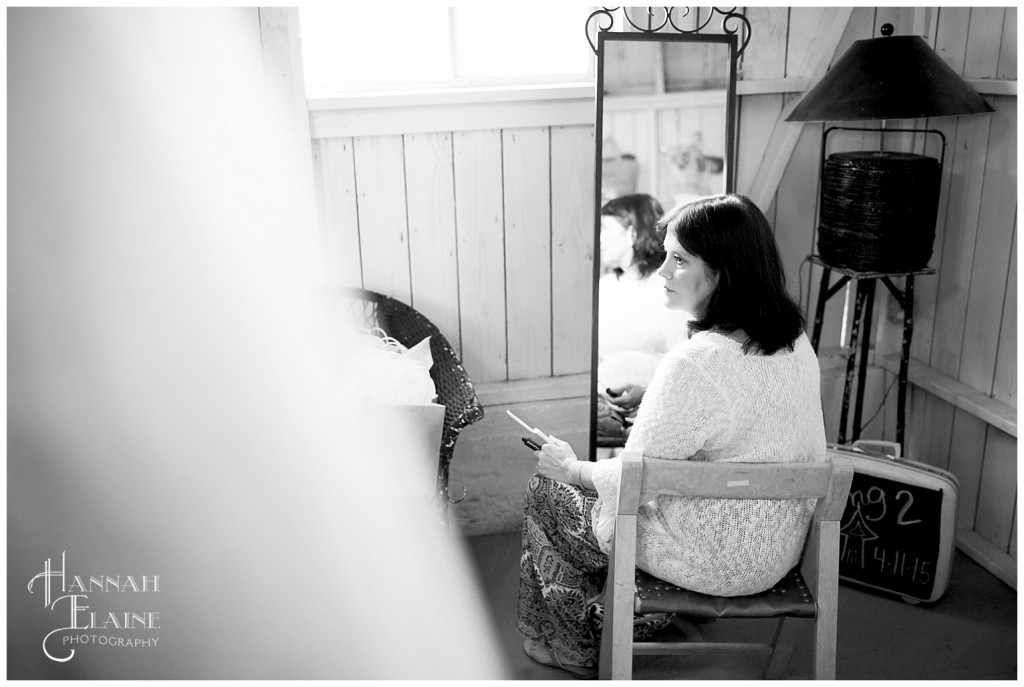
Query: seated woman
{"points": [[744, 388], [634, 328]]}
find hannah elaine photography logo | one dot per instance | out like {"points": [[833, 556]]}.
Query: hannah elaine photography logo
{"points": [[74, 597]]}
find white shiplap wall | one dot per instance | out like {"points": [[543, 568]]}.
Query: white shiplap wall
{"points": [[479, 212], [485, 230]]}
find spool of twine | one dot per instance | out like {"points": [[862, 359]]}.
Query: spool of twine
{"points": [[878, 210]]}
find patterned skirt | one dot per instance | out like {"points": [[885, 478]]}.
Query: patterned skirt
{"points": [[562, 572]]}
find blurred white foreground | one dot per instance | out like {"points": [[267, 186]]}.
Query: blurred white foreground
{"points": [[172, 409]]}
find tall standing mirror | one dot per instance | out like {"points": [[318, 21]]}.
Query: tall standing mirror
{"points": [[665, 132]]}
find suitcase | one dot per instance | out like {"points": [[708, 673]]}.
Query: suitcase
{"points": [[898, 531]]}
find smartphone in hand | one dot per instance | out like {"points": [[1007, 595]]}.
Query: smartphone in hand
{"points": [[531, 444], [528, 428]]}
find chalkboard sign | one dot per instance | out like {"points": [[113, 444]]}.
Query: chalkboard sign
{"points": [[889, 536]]}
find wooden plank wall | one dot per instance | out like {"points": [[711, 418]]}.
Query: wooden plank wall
{"points": [[646, 127], [488, 232], [965, 315]]}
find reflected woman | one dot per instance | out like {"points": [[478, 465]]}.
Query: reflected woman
{"points": [[634, 328], [745, 387]]}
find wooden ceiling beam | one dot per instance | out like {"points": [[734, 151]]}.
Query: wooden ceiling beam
{"points": [[784, 136]]}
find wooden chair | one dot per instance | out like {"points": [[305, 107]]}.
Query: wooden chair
{"points": [[628, 590]]}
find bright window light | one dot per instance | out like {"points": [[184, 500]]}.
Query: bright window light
{"points": [[360, 47], [541, 42]]}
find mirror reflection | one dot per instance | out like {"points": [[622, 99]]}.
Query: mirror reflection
{"points": [[665, 110]]}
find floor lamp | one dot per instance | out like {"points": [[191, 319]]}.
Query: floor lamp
{"points": [[878, 208]]}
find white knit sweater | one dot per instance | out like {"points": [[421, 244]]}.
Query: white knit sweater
{"points": [[710, 401]]}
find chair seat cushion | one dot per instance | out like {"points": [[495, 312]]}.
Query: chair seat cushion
{"points": [[790, 597]]}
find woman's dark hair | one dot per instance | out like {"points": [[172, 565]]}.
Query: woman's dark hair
{"points": [[731, 235], [641, 212]]}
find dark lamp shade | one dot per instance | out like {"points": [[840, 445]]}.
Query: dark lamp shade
{"points": [[893, 77]]}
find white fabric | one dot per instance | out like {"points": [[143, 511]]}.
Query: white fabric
{"points": [[635, 329], [710, 401], [391, 374]]}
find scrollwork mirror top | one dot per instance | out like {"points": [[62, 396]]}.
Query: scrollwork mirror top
{"points": [[664, 20], [665, 129]]}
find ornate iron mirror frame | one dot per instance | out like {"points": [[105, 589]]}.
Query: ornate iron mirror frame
{"points": [[662, 25], [732, 22]]}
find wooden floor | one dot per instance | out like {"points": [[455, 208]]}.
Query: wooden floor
{"points": [[969, 634]]}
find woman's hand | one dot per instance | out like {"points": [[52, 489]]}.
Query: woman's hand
{"points": [[556, 460], [627, 396]]}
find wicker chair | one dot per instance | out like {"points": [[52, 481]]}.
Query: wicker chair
{"points": [[454, 387]]}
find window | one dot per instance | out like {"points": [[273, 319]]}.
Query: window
{"points": [[360, 47]]}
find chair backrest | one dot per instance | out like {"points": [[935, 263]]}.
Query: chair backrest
{"points": [[644, 478], [829, 482]]}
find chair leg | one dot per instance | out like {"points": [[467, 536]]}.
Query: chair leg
{"points": [[604, 658], [827, 594], [781, 649], [825, 647], [604, 663], [616, 658]]}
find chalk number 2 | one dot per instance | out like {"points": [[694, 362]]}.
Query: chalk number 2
{"points": [[900, 519]]}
